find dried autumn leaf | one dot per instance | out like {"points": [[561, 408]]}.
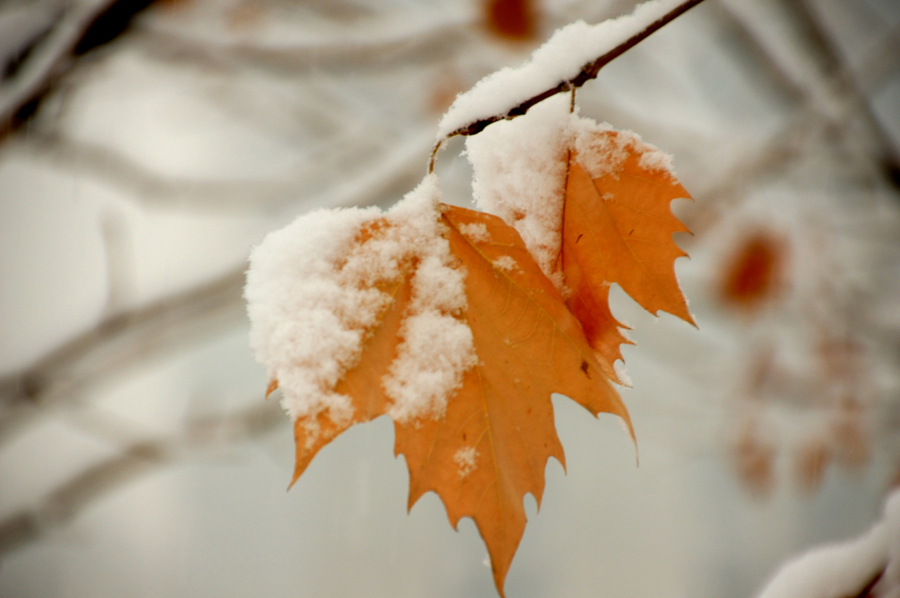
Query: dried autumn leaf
{"points": [[617, 228], [529, 346], [448, 321], [490, 445], [592, 205]]}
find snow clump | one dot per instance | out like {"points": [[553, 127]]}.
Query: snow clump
{"points": [[313, 298]]}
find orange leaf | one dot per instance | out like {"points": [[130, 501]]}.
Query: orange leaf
{"points": [[617, 228], [492, 446], [361, 383], [492, 443], [755, 273], [441, 297]]}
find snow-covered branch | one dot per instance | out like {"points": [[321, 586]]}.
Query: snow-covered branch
{"points": [[571, 58], [858, 567]]}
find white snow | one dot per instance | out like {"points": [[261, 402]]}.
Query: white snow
{"points": [[622, 374], [466, 459], [520, 170], [312, 299], [843, 569], [506, 263], [475, 231], [560, 59], [601, 154], [520, 175], [889, 584]]}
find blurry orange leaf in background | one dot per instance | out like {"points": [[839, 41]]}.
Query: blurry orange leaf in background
{"points": [[511, 19], [755, 273]]}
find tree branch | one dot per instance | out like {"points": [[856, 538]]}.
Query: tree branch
{"points": [[118, 343], [68, 499], [64, 31]]}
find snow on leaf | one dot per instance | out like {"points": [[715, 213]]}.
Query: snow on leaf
{"points": [[464, 355], [460, 324], [592, 205]]}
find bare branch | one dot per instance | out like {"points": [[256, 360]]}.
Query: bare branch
{"points": [[118, 343], [374, 180], [48, 55], [359, 49], [847, 83], [65, 502]]}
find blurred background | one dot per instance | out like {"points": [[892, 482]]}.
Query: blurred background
{"points": [[146, 147]]}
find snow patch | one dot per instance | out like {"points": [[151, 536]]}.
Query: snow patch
{"points": [[467, 460], [506, 263], [602, 154], [475, 231], [520, 175], [622, 374], [307, 326], [313, 297], [843, 569]]}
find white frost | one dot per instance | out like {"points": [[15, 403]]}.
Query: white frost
{"points": [[312, 299], [560, 59]]}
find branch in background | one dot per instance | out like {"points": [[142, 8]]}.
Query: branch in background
{"points": [[59, 31], [833, 82], [847, 82], [382, 44], [392, 167], [65, 502], [118, 343], [858, 568]]}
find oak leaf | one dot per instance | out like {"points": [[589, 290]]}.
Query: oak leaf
{"points": [[617, 228], [491, 445], [442, 318]]}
